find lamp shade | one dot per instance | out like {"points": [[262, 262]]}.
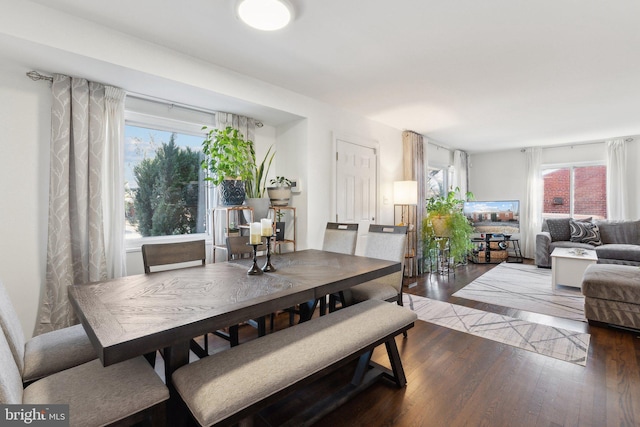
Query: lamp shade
{"points": [[405, 192]]}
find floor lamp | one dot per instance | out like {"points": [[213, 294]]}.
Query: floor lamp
{"points": [[405, 199]]}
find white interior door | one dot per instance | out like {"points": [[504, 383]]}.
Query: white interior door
{"points": [[356, 182]]}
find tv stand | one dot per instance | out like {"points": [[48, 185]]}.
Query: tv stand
{"points": [[494, 249]]}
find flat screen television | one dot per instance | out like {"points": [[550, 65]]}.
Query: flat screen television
{"points": [[496, 217]]}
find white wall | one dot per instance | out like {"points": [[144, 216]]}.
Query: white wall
{"points": [[501, 175], [80, 48], [24, 184]]}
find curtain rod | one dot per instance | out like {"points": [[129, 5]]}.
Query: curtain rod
{"points": [[573, 144], [36, 76]]}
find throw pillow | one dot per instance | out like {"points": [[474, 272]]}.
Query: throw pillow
{"points": [[559, 229], [585, 232]]}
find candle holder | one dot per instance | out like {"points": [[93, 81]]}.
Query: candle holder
{"points": [[254, 268], [267, 265]]}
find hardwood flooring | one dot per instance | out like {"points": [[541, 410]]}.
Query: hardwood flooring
{"points": [[456, 379]]}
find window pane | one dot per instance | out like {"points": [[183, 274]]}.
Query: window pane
{"points": [[590, 191], [436, 182], [576, 191], [164, 191], [557, 192]]}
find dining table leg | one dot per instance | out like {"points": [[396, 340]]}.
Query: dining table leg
{"points": [[174, 357]]}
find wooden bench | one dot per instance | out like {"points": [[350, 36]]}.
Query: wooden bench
{"points": [[235, 384]]}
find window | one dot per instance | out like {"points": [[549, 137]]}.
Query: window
{"points": [[166, 197], [578, 191], [164, 191], [437, 181]]}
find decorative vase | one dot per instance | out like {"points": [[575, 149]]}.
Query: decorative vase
{"points": [[279, 196], [231, 192], [260, 208]]}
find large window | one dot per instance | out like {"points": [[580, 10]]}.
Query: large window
{"points": [[578, 191], [164, 190], [437, 181]]}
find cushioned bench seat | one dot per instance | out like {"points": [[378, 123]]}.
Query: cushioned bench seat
{"points": [[240, 381], [612, 294]]}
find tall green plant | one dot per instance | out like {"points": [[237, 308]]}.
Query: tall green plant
{"points": [[459, 230], [228, 155], [256, 185]]}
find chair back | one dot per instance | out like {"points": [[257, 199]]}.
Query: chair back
{"points": [[238, 246], [11, 328], [165, 254], [11, 387], [388, 242], [340, 237]]}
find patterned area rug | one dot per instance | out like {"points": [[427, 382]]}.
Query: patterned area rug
{"points": [[558, 343], [525, 287]]}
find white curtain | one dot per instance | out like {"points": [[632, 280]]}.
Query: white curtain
{"points": [[113, 183], [617, 189], [75, 246], [532, 205], [460, 171]]}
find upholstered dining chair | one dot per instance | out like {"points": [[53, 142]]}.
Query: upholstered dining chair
{"points": [[386, 242], [341, 238], [43, 354], [126, 393]]}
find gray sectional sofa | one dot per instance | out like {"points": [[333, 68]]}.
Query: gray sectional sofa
{"points": [[620, 240]]}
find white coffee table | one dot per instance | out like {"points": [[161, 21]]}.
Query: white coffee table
{"points": [[568, 266]]}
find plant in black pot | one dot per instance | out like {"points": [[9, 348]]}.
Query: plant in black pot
{"points": [[280, 193], [228, 159], [446, 225]]}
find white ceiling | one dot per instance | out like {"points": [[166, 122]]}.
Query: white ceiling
{"points": [[476, 75]]}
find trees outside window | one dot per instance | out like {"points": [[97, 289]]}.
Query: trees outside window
{"points": [[165, 192]]}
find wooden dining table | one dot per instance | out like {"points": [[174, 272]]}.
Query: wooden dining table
{"points": [[136, 315]]}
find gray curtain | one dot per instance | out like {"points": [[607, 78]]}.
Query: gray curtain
{"points": [[75, 247], [415, 170]]}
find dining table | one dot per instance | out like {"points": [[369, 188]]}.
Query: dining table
{"points": [[139, 314]]}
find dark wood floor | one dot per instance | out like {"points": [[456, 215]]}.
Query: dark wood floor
{"points": [[456, 379]]}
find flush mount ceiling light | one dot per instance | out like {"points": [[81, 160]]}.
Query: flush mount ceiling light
{"points": [[266, 15]]}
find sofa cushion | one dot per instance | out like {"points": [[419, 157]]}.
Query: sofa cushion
{"points": [[559, 228], [569, 244], [619, 252], [625, 232], [585, 232]]}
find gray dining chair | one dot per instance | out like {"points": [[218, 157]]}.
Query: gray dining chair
{"points": [[126, 393], [341, 238], [386, 242], [43, 354]]}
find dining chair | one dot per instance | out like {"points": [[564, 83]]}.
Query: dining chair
{"points": [[126, 393], [168, 256], [383, 242], [239, 247], [341, 238], [43, 354]]}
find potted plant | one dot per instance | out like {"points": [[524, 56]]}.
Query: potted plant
{"points": [[280, 193], [228, 159], [255, 185], [445, 223]]}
